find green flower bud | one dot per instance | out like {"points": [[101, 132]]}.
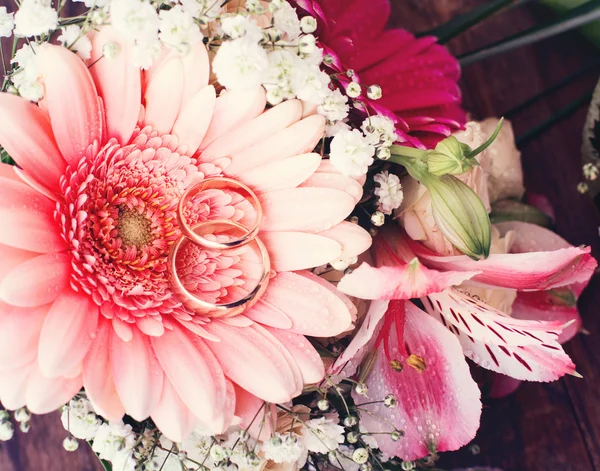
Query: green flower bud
{"points": [[450, 158], [460, 215]]}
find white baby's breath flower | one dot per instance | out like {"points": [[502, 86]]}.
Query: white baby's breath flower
{"points": [[28, 75], [389, 192], [278, 79], [136, 19], [240, 64], [283, 448], [94, 3], [323, 435], [7, 430], [112, 440], [308, 24], [286, 20], [35, 17], [72, 37], [310, 83], [165, 461], [7, 23], [208, 8], [332, 129], [334, 106], [307, 44], [350, 153], [80, 419], [236, 26], [178, 30], [197, 446], [380, 130], [124, 461], [144, 53], [254, 7]]}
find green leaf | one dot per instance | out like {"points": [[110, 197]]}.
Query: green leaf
{"points": [[510, 210], [579, 16], [5, 158], [462, 23]]}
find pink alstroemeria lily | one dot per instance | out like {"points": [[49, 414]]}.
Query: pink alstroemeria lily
{"points": [[419, 359]]}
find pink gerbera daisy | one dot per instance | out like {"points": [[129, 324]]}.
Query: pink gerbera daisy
{"points": [[89, 219], [418, 76]]}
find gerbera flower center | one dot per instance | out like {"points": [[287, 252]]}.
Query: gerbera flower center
{"points": [[135, 230]]}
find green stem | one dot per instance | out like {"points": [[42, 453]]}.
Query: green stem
{"points": [[411, 152]]}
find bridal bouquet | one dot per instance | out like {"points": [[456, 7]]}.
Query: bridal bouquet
{"points": [[247, 235]]}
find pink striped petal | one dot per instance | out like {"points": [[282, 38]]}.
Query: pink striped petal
{"points": [[13, 387], [283, 174], [27, 219], [194, 373], [98, 376], [19, 335], [304, 209], [336, 181], [439, 407], [118, 83], [162, 97], [195, 118], [266, 314], [196, 71], [290, 251], [526, 350], [254, 131], [45, 395], [68, 332], [522, 271], [150, 326], [26, 134], [67, 80], [9, 172], [354, 239], [403, 281], [313, 309], [327, 167], [232, 109], [299, 138], [321, 281], [254, 361], [37, 281], [171, 415], [304, 354], [138, 375]]}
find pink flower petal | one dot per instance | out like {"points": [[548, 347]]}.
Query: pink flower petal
{"points": [[232, 109], [336, 181], [162, 97], [283, 174], [522, 271], [45, 395], [254, 131], [98, 376], [118, 83], [37, 281], [266, 314], [172, 416], [138, 375], [304, 209], [252, 410], [255, 361], [290, 251], [13, 386], [8, 172], [67, 80], [26, 134], [439, 407], [195, 118], [12, 257], [354, 239], [27, 219], [196, 71], [68, 332], [313, 309], [19, 335], [304, 354], [299, 138], [194, 373]]}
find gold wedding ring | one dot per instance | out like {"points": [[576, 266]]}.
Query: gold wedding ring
{"points": [[197, 235]]}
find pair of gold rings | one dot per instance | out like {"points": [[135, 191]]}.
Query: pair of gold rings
{"points": [[238, 236]]}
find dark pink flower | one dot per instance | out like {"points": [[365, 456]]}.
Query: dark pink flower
{"points": [[418, 76]]}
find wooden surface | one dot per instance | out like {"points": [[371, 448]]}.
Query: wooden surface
{"points": [[554, 427]]}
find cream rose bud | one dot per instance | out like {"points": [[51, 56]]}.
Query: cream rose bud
{"points": [[503, 170]]}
